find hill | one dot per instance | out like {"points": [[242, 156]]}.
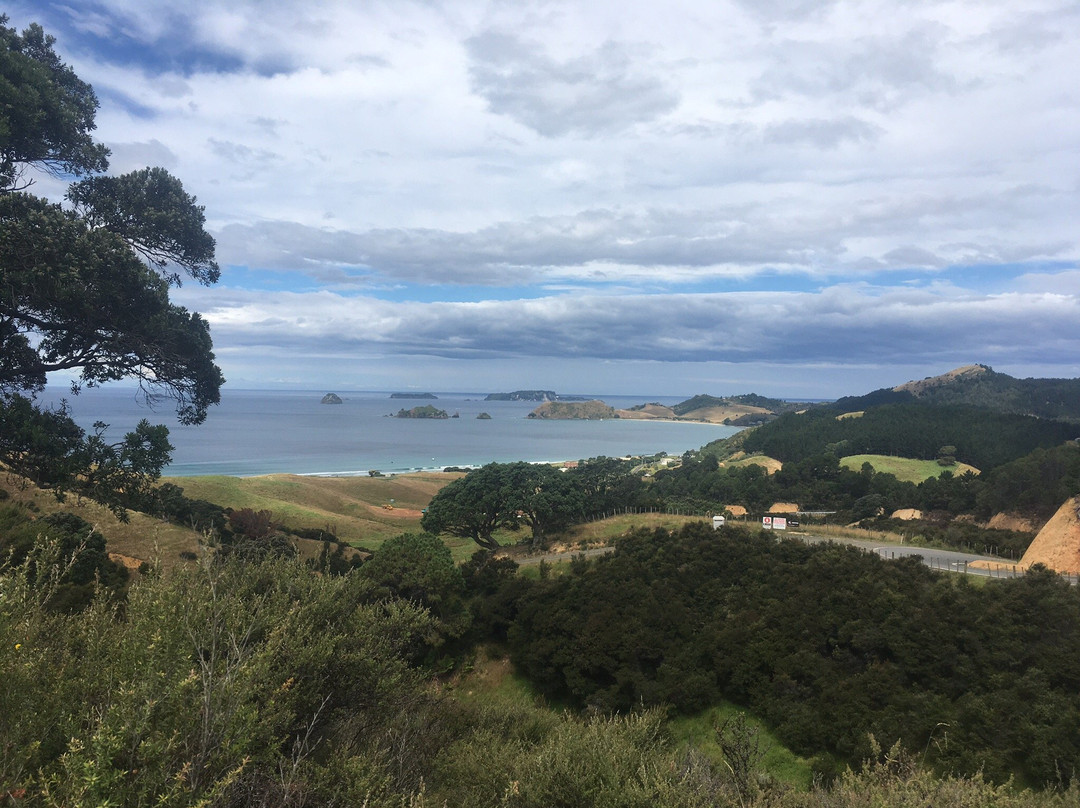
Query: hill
{"points": [[747, 404], [1058, 544], [741, 410], [981, 386], [903, 468], [982, 438], [574, 410], [353, 508]]}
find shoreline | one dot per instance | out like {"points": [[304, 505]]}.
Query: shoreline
{"points": [[327, 466]]}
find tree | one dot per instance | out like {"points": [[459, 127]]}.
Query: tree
{"points": [[542, 497], [471, 507], [505, 495], [417, 567], [85, 290], [47, 111]]}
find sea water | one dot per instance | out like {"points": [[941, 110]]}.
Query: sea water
{"points": [[256, 432]]}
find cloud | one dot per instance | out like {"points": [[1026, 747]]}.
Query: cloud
{"points": [[822, 133], [832, 184], [842, 324], [126, 157], [602, 91]]}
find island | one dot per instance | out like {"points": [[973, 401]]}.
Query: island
{"points": [[413, 395], [331, 398], [423, 411], [532, 395], [483, 417], [572, 410]]}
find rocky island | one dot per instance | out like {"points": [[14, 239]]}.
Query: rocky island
{"points": [[413, 395], [423, 411], [331, 398]]}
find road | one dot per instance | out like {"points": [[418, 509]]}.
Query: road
{"points": [[944, 560]]}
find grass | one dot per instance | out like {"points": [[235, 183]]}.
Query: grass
{"points": [[699, 731], [770, 464], [603, 531], [491, 677], [905, 469], [353, 508], [142, 537]]}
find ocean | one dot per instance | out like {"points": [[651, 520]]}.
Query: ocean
{"points": [[254, 432]]}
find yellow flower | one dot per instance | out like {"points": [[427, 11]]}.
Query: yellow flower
{"points": [[18, 645]]}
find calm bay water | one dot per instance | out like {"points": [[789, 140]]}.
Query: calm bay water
{"points": [[266, 432]]}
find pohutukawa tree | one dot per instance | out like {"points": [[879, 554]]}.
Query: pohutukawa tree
{"points": [[508, 496], [84, 288]]}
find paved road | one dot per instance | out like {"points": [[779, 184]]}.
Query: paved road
{"points": [[945, 560]]}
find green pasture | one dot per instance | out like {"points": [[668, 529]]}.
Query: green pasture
{"points": [[905, 469]]}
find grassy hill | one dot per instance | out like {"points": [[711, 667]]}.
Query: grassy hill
{"points": [[352, 508], [358, 510], [905, 469]]}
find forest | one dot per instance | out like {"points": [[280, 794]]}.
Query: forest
{"points": [[829, 645]]}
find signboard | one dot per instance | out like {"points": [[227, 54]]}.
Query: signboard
{"points": [[779, 523], [766, 523]]}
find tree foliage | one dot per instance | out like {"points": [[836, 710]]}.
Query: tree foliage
{"points": [[982, 438], [506, 495], [828, 644], [48, 111], [84, 290]]}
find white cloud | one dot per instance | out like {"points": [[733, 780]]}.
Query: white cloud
{"points": [[622, 152]]}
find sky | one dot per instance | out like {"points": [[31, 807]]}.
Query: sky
{"points": [[796, 198]]}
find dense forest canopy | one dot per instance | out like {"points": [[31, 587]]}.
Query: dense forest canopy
{"points": [[982, 438], [829, 644]]}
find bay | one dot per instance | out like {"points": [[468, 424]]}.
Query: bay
{"points": [[255, 432]]}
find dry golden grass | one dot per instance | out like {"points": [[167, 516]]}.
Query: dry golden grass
{"points": [[1057, 545], [353, 508], [770, 464], [142, 537]]}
